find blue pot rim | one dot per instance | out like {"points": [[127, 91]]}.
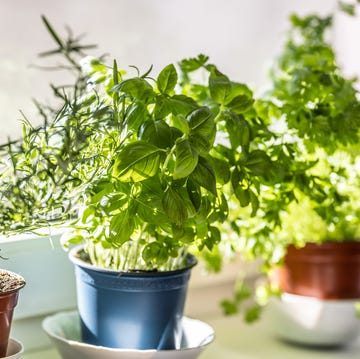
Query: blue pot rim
{"points": [[191, 262]]}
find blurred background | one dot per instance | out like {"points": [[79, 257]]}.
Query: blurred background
{"points": [[240, 36]]}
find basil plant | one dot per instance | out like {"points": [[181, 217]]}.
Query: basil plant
{"points": [[162, 162]]}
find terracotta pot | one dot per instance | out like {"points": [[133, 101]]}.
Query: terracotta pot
{"points": [[330, 270], [8, 301]]}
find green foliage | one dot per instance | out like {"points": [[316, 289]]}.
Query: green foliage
{"points": [[314, 112], [317, 101], [142, 170]]}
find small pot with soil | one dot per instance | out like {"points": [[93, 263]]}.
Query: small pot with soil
{"points": [[10, 284]]}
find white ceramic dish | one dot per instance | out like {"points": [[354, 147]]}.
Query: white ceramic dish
{"points": [[64, 331], [15, 349], [312, 321]]}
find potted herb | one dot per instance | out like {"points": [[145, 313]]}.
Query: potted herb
{"points": [[317, 108], [322, 107], [10, 285]]}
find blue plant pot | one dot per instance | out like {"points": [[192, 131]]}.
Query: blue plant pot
{"points": [[132, 310]]}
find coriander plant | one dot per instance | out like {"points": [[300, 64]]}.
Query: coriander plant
{"points": [[312, 106]]}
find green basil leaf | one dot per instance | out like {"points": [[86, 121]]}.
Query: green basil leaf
{"points": [[204, 175], [162, 107], [167, 79], [238, 90], [150, 209], [155, 252], [220, 87], [121, 228], [198, 117], [137, 161], [222, 170], [188, 237], [200, 143], [194, 193], [238, 129], [254, 203], [201, 121], [137, 88], [214, 237], [137, 114], [241, 193], [226, 153], [157, 133], [180, 124], [181, 104], [240, 103], [186, 159], [258, 162], [174, 206]]}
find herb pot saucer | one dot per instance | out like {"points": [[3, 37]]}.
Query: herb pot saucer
{"points": [[64, 331], [15, 349], [313, 321]]}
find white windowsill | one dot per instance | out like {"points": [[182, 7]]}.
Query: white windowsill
{"points": [[51, 288]]}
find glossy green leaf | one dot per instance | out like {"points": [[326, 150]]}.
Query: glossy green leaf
{"points": [[214, 238], [198, 117], [150, 209], [179, 122], [204, 175], [157, 133], [255, 203], [121, 228], [181, 104], [194, 193], [136, 115], [162, 107], [238, 129], [258, 162], [155, 253], [201, 121], [242, 193], [174, 206], [240, 103], [137, 161], [167, 79], [137, 88], [220, 87], [238, 90], [200, 143], [186, 159], [222, 170]]}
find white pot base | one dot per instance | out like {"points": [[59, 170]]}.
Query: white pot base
{"points": [[15, 349], [314, 322]]}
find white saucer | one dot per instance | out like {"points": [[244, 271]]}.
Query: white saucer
{"points": [[15, 349], [64, 331], [312, 321]]}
